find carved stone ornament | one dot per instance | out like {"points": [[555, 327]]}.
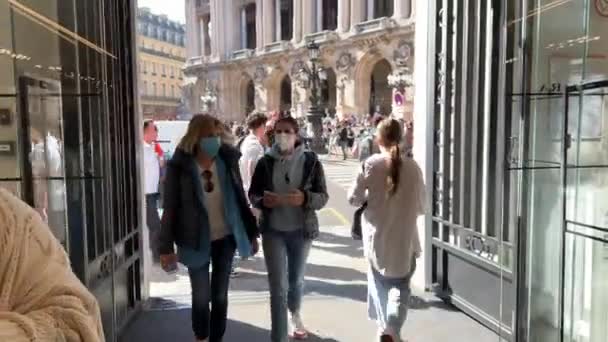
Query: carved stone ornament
{"points": [[403, 52], [260, 74], [296, 67], [345, 62]]}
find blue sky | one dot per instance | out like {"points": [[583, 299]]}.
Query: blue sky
{"points": [[174, 9]]}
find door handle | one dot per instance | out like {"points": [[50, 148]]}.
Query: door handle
{"points": [[568, 140]]}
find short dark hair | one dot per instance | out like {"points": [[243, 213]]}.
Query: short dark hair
{"points": [[254, 121], [289, 120], [147, 123]]}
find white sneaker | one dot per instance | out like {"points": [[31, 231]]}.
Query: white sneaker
{"points": [[299, 332]]}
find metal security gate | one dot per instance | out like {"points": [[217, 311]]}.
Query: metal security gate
{"points": [[77, 143], [472, 240]]}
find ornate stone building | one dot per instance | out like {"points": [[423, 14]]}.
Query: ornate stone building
{"points": [[161, 56], [246, 55]]}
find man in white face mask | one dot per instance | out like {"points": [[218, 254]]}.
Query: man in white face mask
{"points": [[288, 186]]}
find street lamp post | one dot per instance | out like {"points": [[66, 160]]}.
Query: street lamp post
{"points": [[311, 79]]}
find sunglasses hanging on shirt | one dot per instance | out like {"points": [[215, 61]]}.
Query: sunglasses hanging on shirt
{"points": [[208, 186]]}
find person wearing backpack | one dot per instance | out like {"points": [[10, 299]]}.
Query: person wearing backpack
{"points": [[288, 186]]}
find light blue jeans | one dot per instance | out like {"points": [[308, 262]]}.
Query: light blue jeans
{"points": [[285, 254], [388, 299]]}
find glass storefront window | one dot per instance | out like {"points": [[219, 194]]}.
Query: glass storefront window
{"points": [[565, 50], [68, 138]]}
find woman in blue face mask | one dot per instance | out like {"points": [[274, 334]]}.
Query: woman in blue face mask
{"points": [[288, 187], [206, 214]]}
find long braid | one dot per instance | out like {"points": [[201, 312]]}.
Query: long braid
{"points": [[392, 180], [390, 135]]}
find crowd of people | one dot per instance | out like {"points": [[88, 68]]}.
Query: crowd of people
{"points": [[229, 184], [220, 195], [354, 138]]}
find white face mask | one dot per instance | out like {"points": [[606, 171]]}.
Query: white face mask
{"points": [[285, 142]]}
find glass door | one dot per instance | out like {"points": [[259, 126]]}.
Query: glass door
{"points": [[44, 171], [585, 214]]}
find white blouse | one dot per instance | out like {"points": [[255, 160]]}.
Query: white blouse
{"points": [[390, 234]]}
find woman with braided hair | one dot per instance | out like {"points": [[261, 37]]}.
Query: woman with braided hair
{"points": [[393, 188]]}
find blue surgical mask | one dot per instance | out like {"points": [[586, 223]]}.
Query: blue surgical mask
{"points": [[210, 146]]}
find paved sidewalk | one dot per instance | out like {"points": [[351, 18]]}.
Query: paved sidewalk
{"points": [[335, 295], [334, 306]]}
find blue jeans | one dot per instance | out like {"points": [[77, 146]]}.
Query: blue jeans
{"points": [[212, 323], [388, 299], [285, 254]]}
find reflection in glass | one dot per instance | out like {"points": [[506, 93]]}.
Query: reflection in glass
{"points": [[586, 254], [46, 156]]}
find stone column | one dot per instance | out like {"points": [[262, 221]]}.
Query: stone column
{"points": [[308, 17], [206, 38], [231, 18], [268, 19], [357, 12], [297, 21], [343, 15], [203, 36], [192, 34], [277, 20], [259, 24], [370, 10], [403, 9], [213, 23], [319, 16], [243, 27]]}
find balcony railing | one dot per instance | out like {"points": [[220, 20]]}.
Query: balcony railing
{"points": [[321, 37], [161, 54], [242, 54], [275, 47], [160, 98], [374, 25], [198, 60]]}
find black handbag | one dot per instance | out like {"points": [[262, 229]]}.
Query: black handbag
{"points": [[355, 231]]}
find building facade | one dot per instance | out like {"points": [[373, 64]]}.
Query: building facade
{"points": [[161, 57], [248, 55], [69, 137], [516, 164]]}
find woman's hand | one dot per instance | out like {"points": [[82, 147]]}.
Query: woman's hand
{"points": [[168, 262], [295, 198], [271, 200]]}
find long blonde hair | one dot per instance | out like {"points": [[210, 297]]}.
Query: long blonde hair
{"points": [[389, 134], [200, 126]]}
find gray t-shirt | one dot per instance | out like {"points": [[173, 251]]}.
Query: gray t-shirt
{"points": [[287, 176]]}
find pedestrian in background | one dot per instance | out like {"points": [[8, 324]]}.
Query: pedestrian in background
{"points": [[343, 140], [152, 169], [288, 186], [393, 188], [207, 216], [252, 147]]}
